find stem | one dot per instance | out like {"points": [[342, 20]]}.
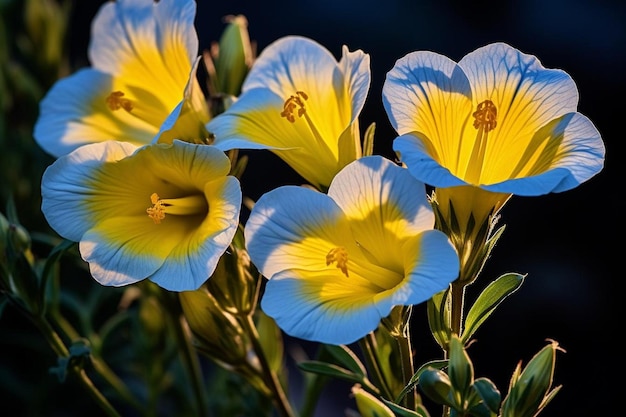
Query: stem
{"points": [[191, 363], [368, 347], [280, 398], [456, 315], [60, 349], [406, 358]]}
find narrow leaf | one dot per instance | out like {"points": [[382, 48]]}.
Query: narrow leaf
{"points": [[488, 300]]}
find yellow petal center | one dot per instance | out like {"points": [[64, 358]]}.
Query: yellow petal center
{"points": [[340, 256], [485, 120], [182, 206]]}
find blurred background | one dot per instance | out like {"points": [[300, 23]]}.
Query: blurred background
{"points": [[568, 244]]}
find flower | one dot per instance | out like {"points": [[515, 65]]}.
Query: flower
{"points": [[303, 105], [495, 124], [338, 263], [165, 212], [142, 54]]}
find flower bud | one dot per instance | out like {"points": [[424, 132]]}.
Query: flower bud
{"points": [[233, 284], [217, 333], [532, 390], [46, 24], [235, 55]]}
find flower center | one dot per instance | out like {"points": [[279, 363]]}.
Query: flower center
{"points": [[116, 101], [292, 103], [485, 120], [295, 106], [339, 255], [183, 206]]}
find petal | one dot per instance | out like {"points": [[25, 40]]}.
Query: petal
{"points": [[315, 306], [294, 226], [188, 119], [569, 152], [74, 112], [195, 258], [431, 263], [355, 67], [254, 122], [413, 151], [67, 182], [427, 93], [384, 204], [146, 43], [527, 97]]}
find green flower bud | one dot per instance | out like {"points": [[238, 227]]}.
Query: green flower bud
{"points": [[235, 55], [234, 284], [530, 391], [46, 24], [436, 385], [217, 333]]}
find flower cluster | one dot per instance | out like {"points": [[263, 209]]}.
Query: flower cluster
{"points": [[147, 179]]}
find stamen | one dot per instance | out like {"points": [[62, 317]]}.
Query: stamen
{"points": [[116, 101], [183, 206], [485, 116], [292, 103], [156, 212], [339, 255], [485, 121]]}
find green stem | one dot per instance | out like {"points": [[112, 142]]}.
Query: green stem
{"points": [[192, 364], [456, 315], [100, 366], [280, 398], [368, 347], [61, 350], [406, 358]]}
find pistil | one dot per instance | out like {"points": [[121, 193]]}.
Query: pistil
{"points": [[182, 206]]}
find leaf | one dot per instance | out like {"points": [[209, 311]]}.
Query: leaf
{"points": [[439, 364], [488, 393], [405, 412], [347, 358], [438, 310], [335, 371], [488, 300], [53, 257]]}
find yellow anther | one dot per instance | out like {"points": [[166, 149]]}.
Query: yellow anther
{"points": [[485, 116], [339, 255], [157, 211], [116, 101], [292, 103]]}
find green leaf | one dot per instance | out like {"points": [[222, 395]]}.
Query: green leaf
{"points": [[438, 310], [488, 300], [53, 257], [440, 364], [488, 393], [460, 371], [347, 358], [335, 371], [405, 412]]}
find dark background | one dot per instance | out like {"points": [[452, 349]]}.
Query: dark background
{"points": [[569, 244]]}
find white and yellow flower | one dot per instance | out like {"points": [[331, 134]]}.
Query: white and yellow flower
{"points": [[496, 120], [493, 125], [338, 263], [303, 105], [164, 212], [142, 56]]}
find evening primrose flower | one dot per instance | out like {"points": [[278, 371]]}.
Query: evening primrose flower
{"points": [[142, 54], [303, 105], [338, 263], [495, 124], [165, 212]]}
